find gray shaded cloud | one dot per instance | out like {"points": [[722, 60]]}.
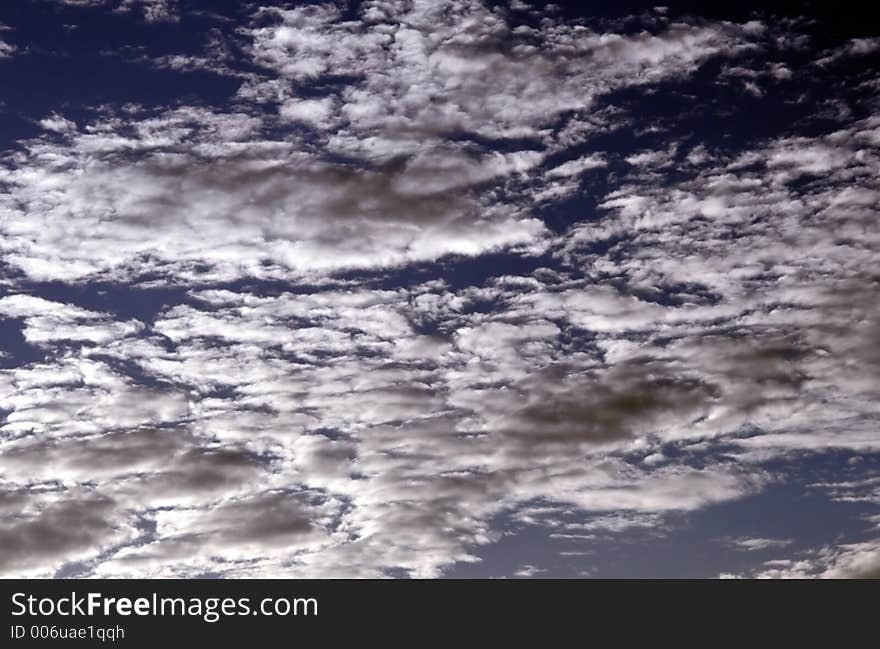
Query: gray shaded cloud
{"points": [[617, 405], [56, 531]]}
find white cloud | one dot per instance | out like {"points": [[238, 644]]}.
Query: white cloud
{"points": [[151, 10], [48, 322], [578, 166], [135, 210], [311, 111], [284, 208], [410, 58], [848, 561], [58, 124], [758, 544]]}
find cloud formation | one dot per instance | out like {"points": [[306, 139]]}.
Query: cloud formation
{"points": [[432, 265]]}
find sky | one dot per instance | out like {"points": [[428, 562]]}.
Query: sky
{"points": [[439, 288]]}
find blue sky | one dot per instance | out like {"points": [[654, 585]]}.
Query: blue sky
{"points": [[437, 289]]}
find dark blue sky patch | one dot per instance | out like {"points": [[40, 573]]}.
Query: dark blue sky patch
{"points": [[16, 351], [698, 544], [123, 301]]}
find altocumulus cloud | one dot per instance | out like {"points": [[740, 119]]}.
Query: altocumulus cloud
{"points": [[430, 265]]}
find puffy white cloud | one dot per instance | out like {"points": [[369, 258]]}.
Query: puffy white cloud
{"points": [[426, 69], [58, 124], [315, 112], [48, 322]]}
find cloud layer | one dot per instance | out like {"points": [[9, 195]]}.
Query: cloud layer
{"points": [[433, 264]]}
